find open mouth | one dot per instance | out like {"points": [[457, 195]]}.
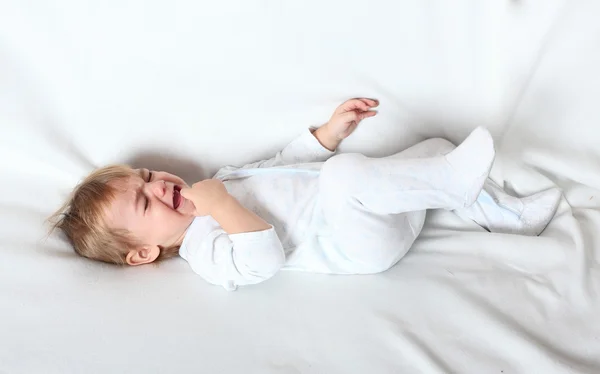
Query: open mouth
{"points": [[177, 198]]}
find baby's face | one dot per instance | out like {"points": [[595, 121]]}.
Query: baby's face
{"points": [[151, 208]]}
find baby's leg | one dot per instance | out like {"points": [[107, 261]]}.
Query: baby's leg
{"points": [[427, 148], [494, 209], [375, 208], [497, 211], [371, 242], [396, 184]]}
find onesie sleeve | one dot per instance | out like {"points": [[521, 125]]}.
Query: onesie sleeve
{"points": [[302, 150], [233, 260]]}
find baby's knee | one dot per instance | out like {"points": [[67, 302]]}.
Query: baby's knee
{"points": [[439, 145]]}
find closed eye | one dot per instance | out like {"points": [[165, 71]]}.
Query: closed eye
{"points": [[147, 200]]}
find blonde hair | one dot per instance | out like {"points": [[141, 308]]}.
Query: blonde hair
{"points": [[81, 218]]}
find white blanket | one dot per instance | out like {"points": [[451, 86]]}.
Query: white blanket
{"points": [[190, 86]]}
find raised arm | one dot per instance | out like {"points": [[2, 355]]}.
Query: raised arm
{"points": [[318, 145]]}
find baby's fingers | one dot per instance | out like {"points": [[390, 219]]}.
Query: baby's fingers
{"points": [[355, 116], [370, 102], [367, 114], [353, 104], [188, 193]]}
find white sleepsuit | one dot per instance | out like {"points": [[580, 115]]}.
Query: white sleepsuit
{"points": [[344, 214]]}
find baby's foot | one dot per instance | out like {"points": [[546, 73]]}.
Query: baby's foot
{"points": [[472, 160], [500, 212], [538, 211]]}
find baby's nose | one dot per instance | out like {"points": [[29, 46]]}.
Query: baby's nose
{"points": [[159, 188]]}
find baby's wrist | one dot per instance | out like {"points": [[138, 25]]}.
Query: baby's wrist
{"points": [[224, 202], [325, 138]]}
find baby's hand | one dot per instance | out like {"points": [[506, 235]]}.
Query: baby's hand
{"points": [[206, 195], [344, 121]]}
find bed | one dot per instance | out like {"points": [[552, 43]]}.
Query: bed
{"points": [[191, 86]]}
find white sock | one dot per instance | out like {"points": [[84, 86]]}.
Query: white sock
{"points": [[473, 160], [499, 212]]}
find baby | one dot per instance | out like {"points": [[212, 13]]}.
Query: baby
{"points": [[305, 209]]}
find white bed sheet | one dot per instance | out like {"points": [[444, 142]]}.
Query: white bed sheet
{"points": [[190, 86]]}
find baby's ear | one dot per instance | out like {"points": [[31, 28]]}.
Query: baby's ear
{"points": [[142, 255]]}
